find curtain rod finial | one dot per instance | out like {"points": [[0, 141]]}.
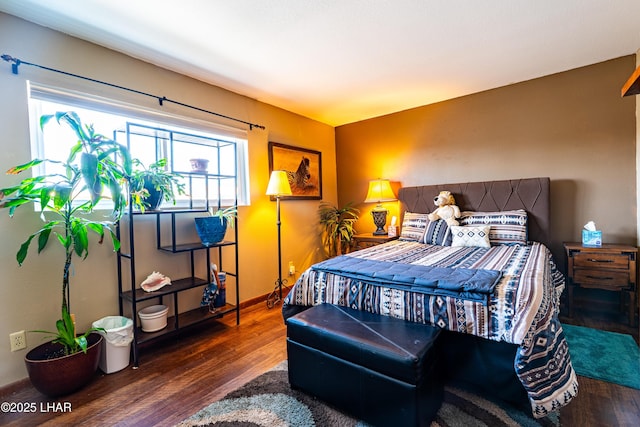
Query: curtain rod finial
{"points": [[16, 62]]}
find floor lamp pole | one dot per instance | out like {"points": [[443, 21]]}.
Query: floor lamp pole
{"points": [[279, 282], [276, 295]]}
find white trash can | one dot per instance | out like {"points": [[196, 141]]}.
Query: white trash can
{"points": [[116, 345]]}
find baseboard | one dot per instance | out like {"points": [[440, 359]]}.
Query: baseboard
{"points": [[262, 299], [11, 388]]}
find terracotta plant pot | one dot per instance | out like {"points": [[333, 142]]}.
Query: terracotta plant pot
{"points": [[63, 375]]}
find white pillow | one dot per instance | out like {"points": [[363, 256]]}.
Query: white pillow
{"points": [[470, 236]]}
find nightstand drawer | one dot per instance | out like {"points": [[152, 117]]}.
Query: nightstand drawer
{"points": [[602, 279], [364, 241], [601, 260], [365, 244]]}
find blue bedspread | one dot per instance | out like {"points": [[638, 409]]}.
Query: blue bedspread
{"points": [[464, 283]]}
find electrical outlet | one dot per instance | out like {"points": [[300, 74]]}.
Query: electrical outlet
{"points": [[18, 340], [292, 268]]}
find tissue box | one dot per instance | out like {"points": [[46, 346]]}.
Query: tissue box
{"points": [[592, 239]]}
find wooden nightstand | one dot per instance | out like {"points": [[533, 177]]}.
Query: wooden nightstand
{"points": [[366, 240], [610, 267]]}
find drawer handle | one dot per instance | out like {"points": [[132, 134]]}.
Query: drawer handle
{"points": [[599, 278], [599, 260]]}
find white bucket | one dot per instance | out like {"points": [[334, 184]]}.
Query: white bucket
{"points": [[116, 345], [153, 318]]}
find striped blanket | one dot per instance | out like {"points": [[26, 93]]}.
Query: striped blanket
{"points": [[522, 310]]}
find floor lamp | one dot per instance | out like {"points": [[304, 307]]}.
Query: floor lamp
{"points": [[278, 187]]}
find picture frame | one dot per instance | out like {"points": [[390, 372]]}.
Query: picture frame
{"points": [[303, 167]]}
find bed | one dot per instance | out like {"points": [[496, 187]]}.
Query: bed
{"points": [[500, 320]]}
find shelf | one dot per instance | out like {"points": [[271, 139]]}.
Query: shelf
{"points": [[185, 319], [172, 226], [178, 285], [166, 211], [187, 247], [632, 86]]}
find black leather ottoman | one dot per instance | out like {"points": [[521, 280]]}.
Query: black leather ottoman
{"points": [[377, 368]]}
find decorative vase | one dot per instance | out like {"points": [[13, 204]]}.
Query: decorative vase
{"points": [[154, 200], [199, 165], [211, 229], [63, 375]]}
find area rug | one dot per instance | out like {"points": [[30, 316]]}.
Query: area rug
{"points": [[603, 355], [269, 401]]}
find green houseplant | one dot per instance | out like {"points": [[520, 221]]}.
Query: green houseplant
{"points": [[95, 166], [337, 227], [152, 184]]}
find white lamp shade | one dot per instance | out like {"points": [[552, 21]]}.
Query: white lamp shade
{"points": [[279, 184], [380, 191]]}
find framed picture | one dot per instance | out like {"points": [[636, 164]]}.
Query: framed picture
{"points": [[303, 167]]}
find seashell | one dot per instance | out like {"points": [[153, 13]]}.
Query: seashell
{"points": [[155, 281]]}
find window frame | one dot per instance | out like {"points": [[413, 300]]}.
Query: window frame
{"points": [[74, 100]]}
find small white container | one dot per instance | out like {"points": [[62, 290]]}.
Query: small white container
{"points": [[153, 318]]}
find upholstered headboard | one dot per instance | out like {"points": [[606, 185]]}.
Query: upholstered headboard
{"points": [[530, 194]]}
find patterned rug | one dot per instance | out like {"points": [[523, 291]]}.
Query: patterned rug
{"points": [[269, 401], [603, 355]]}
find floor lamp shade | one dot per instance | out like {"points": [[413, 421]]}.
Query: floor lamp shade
{"points": [[279, 184], [379, 191]]}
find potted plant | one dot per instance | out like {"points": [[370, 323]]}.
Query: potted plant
{"points": [[211, 229], [337, 227], [152, 185], [66, 199]]}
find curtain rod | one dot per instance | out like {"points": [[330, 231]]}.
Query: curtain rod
{"points": [[161, 99]]}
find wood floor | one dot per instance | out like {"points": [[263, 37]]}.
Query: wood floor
{"points": [[178, 377]]}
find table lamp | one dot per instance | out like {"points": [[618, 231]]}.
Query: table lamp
{"points": [[379, 191]]}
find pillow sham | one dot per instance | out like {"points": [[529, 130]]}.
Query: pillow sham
{"points": [[438, 233], [507, 227], [413, 226], [470, 235]]}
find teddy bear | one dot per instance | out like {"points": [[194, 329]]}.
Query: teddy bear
{"points": [[446, 208]]}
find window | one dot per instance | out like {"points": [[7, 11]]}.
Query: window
{"points": [[150, 136]]}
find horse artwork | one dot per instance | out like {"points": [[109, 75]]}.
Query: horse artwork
{"points": [[303, 168]]}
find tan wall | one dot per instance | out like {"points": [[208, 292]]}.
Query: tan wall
{"points": [[572, 127], [637, 147], [30, 295]]}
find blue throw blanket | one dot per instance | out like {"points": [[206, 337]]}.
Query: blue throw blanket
{"points": [[464, 283]]}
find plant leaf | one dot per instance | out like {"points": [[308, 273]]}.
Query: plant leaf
{"points": [[80, 239], [43, 239], [17, 169], [24, 248]]}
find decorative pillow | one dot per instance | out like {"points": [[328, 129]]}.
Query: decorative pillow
{"points": [[470, 235], [507, 227], [413, 226], [438, 233]]}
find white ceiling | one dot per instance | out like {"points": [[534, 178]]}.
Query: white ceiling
{"points": [[340, 61]]}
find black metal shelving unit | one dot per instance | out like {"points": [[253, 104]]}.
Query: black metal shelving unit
{"points": [[131, 296]]}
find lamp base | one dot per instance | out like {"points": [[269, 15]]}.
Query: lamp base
{"points": [[379, 219], [276, 295]]}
